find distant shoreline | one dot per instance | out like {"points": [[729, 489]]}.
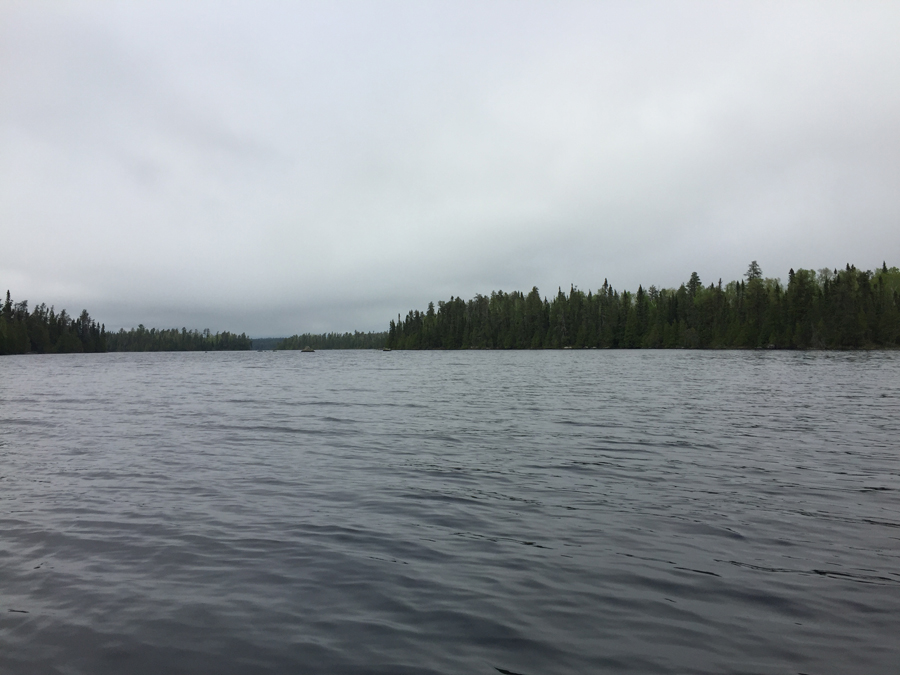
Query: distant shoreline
{"points": [[824, 310], [840, 350]]}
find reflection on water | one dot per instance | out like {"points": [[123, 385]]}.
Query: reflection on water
{"points": [[450, 512]]}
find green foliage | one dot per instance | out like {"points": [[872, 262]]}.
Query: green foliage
{"points": [[824, 309], [142, 339], [355, 340], [42, 331], [847, 309]]}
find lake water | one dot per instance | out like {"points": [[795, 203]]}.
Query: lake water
{"points": [[450, 512]]}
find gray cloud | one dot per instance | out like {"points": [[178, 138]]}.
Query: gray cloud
{"points": [[282, 167]]}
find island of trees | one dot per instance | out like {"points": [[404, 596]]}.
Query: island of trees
{"points": [[828, 309]]}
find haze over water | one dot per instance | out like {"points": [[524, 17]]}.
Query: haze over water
{"points": [[450, 512]]}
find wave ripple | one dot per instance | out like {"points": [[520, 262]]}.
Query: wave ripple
{"points": [[447, 512]]}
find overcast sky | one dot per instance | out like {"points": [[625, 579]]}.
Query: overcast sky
{"points": [[281, 167]]}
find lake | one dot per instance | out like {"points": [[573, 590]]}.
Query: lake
{"points": [[450, 512]]}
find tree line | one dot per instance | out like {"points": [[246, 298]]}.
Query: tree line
{"points": [[828, 309], [143, 339], [354, 340], [43, 331], [824, 309]]}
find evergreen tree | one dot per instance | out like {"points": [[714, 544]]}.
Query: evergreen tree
{"points": [[847, 309]]}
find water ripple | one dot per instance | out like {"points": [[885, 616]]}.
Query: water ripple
{"points": [[447, 512]]}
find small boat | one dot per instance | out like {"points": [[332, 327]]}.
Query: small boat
{"points": [[307, 348], [386, 349]]}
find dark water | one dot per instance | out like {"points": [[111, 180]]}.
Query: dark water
{"points": [[450, 512]]}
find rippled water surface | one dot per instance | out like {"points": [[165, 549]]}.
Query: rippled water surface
{"points": [[450, 512]]}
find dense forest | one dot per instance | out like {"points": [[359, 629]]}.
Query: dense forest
{"points": [[828, 309], [355, 340], [824, 309], [43, 331], [142, 339]]}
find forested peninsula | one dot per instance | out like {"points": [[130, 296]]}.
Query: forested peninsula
{"points": [[43, 331], [828, 309]]}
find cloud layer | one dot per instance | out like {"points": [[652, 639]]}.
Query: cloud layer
{"points": [[283, 167]]}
